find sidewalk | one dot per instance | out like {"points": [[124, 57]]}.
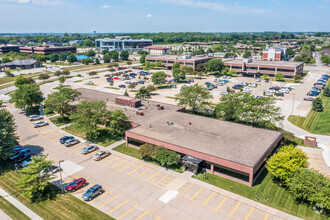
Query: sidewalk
{"points": [[323, 141], [4, 216], [19, 205]]}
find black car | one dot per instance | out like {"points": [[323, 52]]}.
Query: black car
{"points": [[92, 192], [238, 86], [65, 138]]}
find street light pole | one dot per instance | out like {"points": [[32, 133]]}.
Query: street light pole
{"points": [[59, 166], [294, 95]]}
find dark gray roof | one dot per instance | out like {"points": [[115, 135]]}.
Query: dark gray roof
{"points": [[192, 159], [21, 62]]}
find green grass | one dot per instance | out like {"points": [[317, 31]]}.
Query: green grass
{"points": [[105, 140], [11, 210], [90, 84], [315, 122], [110, 87], [170, 97], [60, 120], [59, 207], [78, 81], [135, 153], [266, 192]]}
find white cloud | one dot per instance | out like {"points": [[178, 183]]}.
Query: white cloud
{"points": [[236, 8], [23, 1], [149, 16], [105, 6]]}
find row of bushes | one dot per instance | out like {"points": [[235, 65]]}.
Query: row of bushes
{"points": [[159, 154], [289, 167]]}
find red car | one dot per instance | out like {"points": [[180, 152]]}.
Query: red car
{"points": [[76, 184], [107, 75], [115, 77], [167, 75]]}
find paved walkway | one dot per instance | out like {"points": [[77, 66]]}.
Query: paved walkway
{"points": [[323, 141], [19, 205], [4, 216]]}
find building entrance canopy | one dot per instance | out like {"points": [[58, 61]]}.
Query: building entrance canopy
{"points": [[191, 160]]}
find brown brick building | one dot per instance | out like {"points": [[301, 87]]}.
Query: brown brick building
{"points": [[169, 60], [260, 67], [46, 50], [233, 151]]}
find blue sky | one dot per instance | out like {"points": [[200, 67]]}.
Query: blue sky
{"points": [[28, 16]]}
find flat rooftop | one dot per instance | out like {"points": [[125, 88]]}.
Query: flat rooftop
{"points": [[230, 141], [264, 63], [179, 58]]}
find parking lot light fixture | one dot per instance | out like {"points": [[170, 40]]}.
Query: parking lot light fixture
{"points": [[61, 183]]}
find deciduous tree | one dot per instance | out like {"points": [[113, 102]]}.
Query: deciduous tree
{"points": [[8, 138], [143, 93], [285, 162], [27, 95], [158, 78], [167, 158], [194, 97]]}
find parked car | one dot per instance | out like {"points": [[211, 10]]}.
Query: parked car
{"points": [[238, 86], [90, 83], [309, 99], [316, 89], [50, 170], [76, 184], [88, 149], [284, 91], [101, 154], [22, 158], [109, 79], [40, 124], [247, 90], [224, 93], [35, 117], [122, 86], [17, 148], [198, 77], [319, 84], [219, 84], [258, 80], [23, 152], [268, 93], [26, 162], [253, 85], [231, 90], [243, 84], [92, 192], [65, 138], [71, 142], [313, 93], [224, 80]]}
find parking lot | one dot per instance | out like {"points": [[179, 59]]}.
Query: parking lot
{"points": [[134, 189], [291, 102]]}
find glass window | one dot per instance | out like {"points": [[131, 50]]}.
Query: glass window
{"points": [[231, 172]]}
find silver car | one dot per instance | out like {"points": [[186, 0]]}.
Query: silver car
{"points": [[40, 124], [101, 154], [88, 149], [35, 117]]}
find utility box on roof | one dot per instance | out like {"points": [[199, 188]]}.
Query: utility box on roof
{"points": [[128, 101]]}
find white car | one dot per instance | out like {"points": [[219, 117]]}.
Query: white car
{"points": [[285, 91], [40, 124], [258, 80], [224, 93], [271, 90], [90, 83], [247, 90], [35, 117], [253, 85]]}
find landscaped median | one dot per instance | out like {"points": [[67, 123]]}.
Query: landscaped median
{"points": [[56, 207]]}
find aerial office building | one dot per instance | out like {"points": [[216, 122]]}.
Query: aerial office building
{"points": [[122, 43], [233, 151], [186, 60], [276, 53]]}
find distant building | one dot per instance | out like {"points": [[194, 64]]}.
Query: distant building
{"points": [[22, 64], [154, 50], [220, 55], [257, 57], [75, 42], [274, 53], [49, 43], [46, 50], [7, 48], [261, 67], [122, 43], [169, 60]]}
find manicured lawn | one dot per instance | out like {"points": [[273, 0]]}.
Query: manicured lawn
{"points": [[79, 132], [108, 87], [315, 122], [59, 207], [11, 210], [60, 120], [135, 153], [266, 192]]}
